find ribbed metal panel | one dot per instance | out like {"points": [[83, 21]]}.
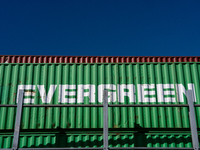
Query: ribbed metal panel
{"points": [[113, 75], [96, 140], [95, 59]]}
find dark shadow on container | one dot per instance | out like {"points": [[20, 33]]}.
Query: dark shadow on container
{"points": [[117, 139]]}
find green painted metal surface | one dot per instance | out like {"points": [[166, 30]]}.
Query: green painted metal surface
{"points": [[133, 83]]}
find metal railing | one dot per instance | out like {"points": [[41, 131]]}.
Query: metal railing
{"points": [[105, 106]]}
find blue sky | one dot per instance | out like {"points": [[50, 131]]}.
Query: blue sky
{"points": [[100, 28]]}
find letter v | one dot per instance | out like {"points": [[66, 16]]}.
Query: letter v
{"points": [[46, 98]]}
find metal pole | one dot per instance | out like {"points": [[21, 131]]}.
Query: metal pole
{"points": [[18, 120], [105, 116], [193, 126]]}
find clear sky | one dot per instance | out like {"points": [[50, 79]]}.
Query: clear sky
{"points": [[100, 27]]}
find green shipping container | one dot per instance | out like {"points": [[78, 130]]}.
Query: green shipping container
{"points": [[127, 83]]}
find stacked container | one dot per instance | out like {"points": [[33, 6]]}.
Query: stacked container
{"points": [[81, 80]]}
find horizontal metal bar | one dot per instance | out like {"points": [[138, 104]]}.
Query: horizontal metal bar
{"points": [[7, 105], [150, 148], [184, 148], [64, 105], [98, 148], [83, 148], [148, 105], [99, 105], [54, 105]]}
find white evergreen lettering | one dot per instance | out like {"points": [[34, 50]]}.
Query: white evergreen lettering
{"points": [[90, 93], [130, 93], [164, 90], [46, 98], [67, 93], [143, 90]]}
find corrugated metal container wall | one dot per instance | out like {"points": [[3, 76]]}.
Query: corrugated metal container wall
{"points": [[128, 83], [53, 78]]}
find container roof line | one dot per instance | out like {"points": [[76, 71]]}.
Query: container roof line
{"points": [[94, 59]]}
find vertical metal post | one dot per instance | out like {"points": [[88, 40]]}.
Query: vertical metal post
{"points": [[105, 116], [18, 120], [193, 126]]}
